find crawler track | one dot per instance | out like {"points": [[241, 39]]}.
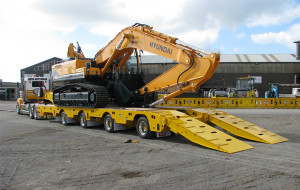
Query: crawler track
{"points": [[81, 95]]}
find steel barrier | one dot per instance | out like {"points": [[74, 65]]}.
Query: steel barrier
{"points": [[227, 103], [268, 103], [265, 103], [246, 103], [286, 103], [207, 102]]}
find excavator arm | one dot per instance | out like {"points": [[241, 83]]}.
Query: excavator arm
{"points": [[193, 69]]}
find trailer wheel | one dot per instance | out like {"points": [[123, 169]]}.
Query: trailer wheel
{"points": [[109, 124], [31, 116], [82, 120], [63, 118], [18, 109], [35, 113], [143, 128]]}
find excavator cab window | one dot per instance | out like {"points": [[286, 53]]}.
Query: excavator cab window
{"points": [[132, 66], [117, 61]]}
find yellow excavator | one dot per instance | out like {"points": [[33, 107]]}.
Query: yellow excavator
{"points": [[96, 82]]}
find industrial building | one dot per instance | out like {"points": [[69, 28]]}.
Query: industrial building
{"points": [[8, 90], [41, 69], [265, 68]]}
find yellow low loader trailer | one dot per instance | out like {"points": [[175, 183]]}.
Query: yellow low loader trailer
{"points": [[193, 124]]}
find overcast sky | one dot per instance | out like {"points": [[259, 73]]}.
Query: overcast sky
{"points": [[35, 30]]}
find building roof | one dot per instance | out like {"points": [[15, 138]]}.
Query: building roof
{"points": [[228, 58], [8, 84], [53, 58], [275, 58]]}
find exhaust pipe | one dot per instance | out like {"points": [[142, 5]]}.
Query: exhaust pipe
{"points": [[297, 50]]}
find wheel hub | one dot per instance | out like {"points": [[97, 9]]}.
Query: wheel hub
{"points": [[108, 123], [142, 127]]}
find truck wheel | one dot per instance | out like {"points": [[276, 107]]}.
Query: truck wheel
{"points": [[31, 112], [35, 113], [63, 118], [109, 124], [82, 120], [143, 128], [18, 109]]}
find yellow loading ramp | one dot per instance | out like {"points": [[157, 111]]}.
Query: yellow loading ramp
{"points": [[236, 126], [201, 133]]}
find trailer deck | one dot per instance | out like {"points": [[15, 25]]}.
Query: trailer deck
{"points": [[193, 124]]}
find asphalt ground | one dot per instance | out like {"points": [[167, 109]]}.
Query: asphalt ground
{"points": [[44, 154]]}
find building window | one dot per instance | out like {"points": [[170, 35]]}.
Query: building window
{"points": [[38, 68], [47, 66]]}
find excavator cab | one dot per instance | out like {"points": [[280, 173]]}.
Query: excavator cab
{"points": [[127, 81], [131, 75]]}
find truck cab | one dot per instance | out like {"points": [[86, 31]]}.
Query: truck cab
{"points": [[33, 90], [31, 85]]}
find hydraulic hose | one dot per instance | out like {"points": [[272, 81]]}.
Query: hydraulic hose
{"points": [[185, 70], [139, 24]]}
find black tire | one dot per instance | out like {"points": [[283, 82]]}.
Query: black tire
{"points": [[109, 124], [143, 128], [31, 112], [82, 120], [35, 113], [18, 109], [63, 118]]}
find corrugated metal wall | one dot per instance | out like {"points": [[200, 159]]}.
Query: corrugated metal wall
{"points": [[226, 74]]}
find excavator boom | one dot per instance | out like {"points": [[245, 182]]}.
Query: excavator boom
{"points": [[194, 67]]}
